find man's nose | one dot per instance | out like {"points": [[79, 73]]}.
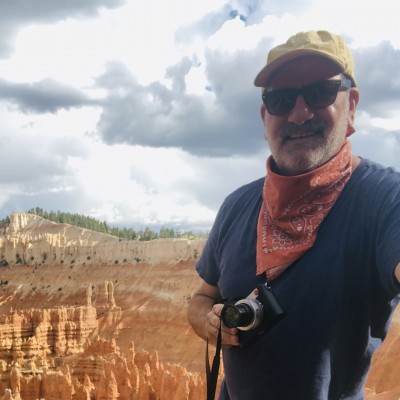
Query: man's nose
{"points": [[301, 112]]}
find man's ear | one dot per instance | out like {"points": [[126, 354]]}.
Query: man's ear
{"points": [[354, 97], [263, 111]]}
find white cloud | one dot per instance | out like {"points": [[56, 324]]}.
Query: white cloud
{"points": [[168, 87]]}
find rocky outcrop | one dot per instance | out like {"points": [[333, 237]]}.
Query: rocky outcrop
{"points": [[31, 335], [102, 372], [30, 239], [48, 354], [383, 382]]}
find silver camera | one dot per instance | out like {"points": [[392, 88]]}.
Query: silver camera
{"points": [[253, 315]]}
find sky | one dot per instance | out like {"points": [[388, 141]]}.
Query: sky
{"points": [[143, 113]]}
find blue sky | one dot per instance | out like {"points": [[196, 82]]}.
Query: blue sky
{"points": [[144, 113]]}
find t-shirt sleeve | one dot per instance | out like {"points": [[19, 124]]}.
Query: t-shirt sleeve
{"points": [[388, 237], [207, 266]]}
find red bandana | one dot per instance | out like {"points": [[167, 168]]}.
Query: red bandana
{"points": [[293, 209]]}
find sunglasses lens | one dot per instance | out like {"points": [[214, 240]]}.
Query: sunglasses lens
{"points": [[279, 102], [321, 94]]}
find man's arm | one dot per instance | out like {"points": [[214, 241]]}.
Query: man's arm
{"points": [[397, 272], [204, 315]]}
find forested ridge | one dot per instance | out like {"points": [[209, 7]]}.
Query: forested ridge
{"points": [[86, 222]]}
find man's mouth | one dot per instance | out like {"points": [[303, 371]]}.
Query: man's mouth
{"points": [[303, 135], [296, 133]]}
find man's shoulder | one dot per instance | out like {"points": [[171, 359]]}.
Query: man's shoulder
{"points": [[378, 186], [246, 198], [249, 190], [371, 170]]}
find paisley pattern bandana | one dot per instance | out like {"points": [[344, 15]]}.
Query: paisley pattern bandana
{"points": [[293, 209]]}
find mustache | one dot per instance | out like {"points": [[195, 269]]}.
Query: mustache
{"points": [[290, 128]]}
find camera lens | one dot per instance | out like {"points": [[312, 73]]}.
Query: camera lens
{"points": [[236, 315]]}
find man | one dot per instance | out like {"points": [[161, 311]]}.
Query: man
{"points": [[323, 228]]}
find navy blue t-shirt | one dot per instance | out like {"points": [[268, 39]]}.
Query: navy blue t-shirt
{"points": [[338, 297]]}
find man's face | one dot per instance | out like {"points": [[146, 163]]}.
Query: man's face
{"points": [[306, 137]]}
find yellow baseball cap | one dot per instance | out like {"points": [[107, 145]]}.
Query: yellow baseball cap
{"points": [[322, 43]]}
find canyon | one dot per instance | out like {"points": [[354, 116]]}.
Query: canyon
{"points": [[84, 315]]}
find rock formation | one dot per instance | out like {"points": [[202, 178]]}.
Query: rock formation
{"points": [[102, 372], [33, 334], [30, 239], [48, 354]]}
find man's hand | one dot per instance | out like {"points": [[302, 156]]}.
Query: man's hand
{"points": [[204, 316], [228, 335]]}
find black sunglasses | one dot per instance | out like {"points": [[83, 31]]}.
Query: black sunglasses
{"points": [[318, 94]]}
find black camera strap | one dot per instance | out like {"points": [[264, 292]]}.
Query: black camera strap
{"points": [[212, 374]]}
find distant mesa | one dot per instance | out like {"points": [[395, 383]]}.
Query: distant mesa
{"points": [[31, 239]]}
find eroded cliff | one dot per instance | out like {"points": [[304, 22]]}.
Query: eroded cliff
{"points": [[30, 239]]}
